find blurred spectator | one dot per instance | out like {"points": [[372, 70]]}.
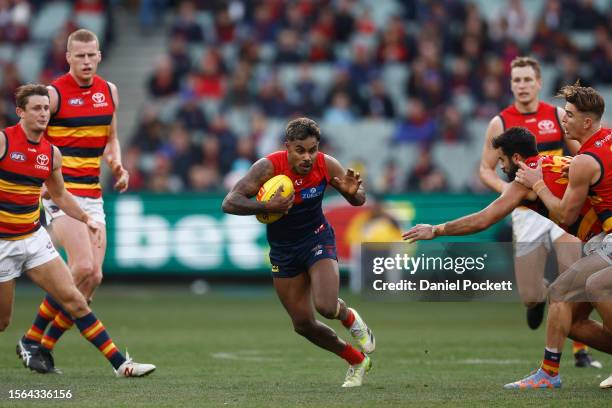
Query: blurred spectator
{"points": [[513, 22], [179, 150], [210, 82], [394, 45], [163, 81], [426, 177], [272, 99], [190, 114], [131, 162], [203, 179], [417, 126], [602, 69], [288, 48], [492, 100], [185, 24], [220, 129], [569, 74], [151, 13], [224, 27], [378, 102], [161, 180], [342, 83], [344, 21], [151, 132], [55, 63], [390, 180], [320, 49], [265, 25], [584, 14], [339, 112], [452, 128], [179, 54], [304, 97], [363, 67]]}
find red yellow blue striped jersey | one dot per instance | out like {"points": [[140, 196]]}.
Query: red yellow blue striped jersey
{"points": [[80, 129], [543, 123], [587, 224], [24, 167], [599, 146]]}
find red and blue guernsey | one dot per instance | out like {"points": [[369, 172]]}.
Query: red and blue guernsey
{"points": [[24, 167], [306, 217]]}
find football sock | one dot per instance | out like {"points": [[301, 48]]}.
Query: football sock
{"points": [[577, 346], [551, 362], [93, 330], [60, 324], [351, 355], [350, 318], [47, 311]]}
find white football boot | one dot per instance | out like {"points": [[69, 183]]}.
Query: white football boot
{"points": [[355, 373], [131, 368]]}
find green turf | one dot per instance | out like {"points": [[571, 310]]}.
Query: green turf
{"points": [[238, 350]]}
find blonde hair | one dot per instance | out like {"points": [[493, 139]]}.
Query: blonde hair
{"points": [[520, 62], [82, 35], [585, 99]]}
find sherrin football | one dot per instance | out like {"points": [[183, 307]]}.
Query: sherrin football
{"points": [[266, 192]]}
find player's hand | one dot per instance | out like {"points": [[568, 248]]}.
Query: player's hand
{"points": [[528, 176], [348, 184], [96, 231], [420, 232], [123, 178], [278, 203], [44, 192]]}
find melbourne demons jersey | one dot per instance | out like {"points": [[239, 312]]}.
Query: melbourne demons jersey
{"points": [[587, 224], [599, 146], [306, 217], [80, 130], [543, 123], [24, 167]]}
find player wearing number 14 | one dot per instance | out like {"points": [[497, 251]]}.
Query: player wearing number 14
{"points": [[302, 242]]}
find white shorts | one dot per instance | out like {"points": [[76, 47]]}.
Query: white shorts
{"points": [[600, 244], [24, 254], [530, 230], [92, 206]]}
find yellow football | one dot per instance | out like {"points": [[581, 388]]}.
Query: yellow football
{"points": [[267, 191]]}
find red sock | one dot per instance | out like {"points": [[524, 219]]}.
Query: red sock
{"points": [[351, 355], [350, 318]]}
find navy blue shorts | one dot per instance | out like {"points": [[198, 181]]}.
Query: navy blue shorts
{"points": [[291, 260]]}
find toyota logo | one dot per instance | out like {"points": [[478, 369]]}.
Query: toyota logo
{"points": [[42, 159], [546, 125], [98, 97]]}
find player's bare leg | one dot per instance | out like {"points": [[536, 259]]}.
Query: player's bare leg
{"points": [[296, 296], [568, 250], [325, 283], [529, 267], [84, 257], [54, 278], [7, 292]]}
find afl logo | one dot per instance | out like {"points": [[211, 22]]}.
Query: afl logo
{"points": [[298, 182], [598, 143], [546, 125], [75, 102], [18, 157], [42, 159], [98, 97]]}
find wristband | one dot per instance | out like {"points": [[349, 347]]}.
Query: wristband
{"points": [[538, 186]]}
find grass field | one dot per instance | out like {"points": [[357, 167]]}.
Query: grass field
{"points": [[237, 349]]}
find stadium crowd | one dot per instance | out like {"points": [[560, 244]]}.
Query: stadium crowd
{"points": [[233, 67]]}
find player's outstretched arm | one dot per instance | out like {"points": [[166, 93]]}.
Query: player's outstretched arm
{"points": [[347, 183], [64, 200], [470, 224], [238, 201]]}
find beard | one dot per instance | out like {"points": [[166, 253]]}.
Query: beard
{"points": [[511, 172]]}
